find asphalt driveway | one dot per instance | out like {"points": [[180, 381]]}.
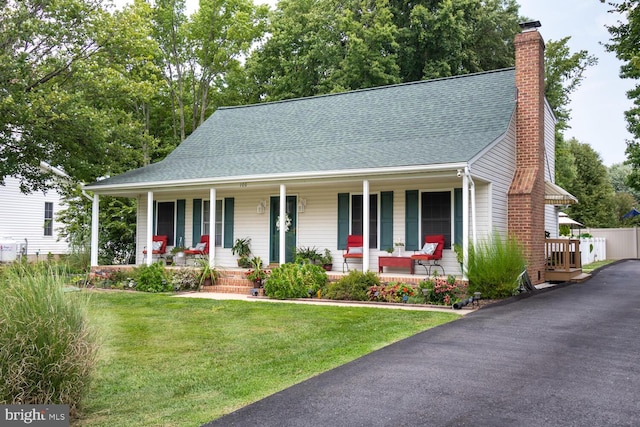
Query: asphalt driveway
{"points": [[564, 357]]}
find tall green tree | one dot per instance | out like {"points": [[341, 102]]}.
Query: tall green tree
{"points": [[592, 187], [221, 33], [323, 46], [625, 43], [42, 42], [564, 72], [440, 38]]}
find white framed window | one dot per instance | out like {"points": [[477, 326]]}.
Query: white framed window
{"points": [[206, 228], [48, 218]]}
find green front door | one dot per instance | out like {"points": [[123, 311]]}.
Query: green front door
{"points": [[290, 235]]}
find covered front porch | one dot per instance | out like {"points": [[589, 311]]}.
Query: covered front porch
{"points": [[388, 210]]}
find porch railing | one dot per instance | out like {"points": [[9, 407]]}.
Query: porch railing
{"points": [[563, 254]]}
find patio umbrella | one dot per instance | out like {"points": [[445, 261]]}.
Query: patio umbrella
{"points": [[563, 219], [631, 214]]}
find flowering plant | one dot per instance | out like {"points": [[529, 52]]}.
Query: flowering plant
{"points": [[257, 274], [443, 291], [391, 292]]}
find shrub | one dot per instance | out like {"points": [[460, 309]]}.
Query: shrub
{"points": [[151, 278], [494, 266], [47, 349], [295, 280], [185, 279], [353, 286], [442, 291]]}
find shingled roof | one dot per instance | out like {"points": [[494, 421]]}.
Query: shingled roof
{"points": [[428, 122]]}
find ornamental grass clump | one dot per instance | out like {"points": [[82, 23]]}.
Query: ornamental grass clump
{"points": [[47, 348], [494, 266]]}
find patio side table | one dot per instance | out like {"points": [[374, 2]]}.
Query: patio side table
{"points": [[395, 261]]}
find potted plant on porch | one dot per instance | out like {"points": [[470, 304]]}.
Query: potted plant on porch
{"points": [[242, 249], [327, 260], [208, 275], [257, 274]]}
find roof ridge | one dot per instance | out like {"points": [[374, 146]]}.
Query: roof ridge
{"points": [[326, 95]]}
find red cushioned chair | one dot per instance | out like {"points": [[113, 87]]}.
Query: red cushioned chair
{"points": [[431, 261], [159, 246], [353, 251], [201, 249]]}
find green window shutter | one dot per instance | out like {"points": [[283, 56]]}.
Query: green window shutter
{"points": [[229, 206], [343, 219], [386, 220], [197, 221], [457, 216], [155, 217], [181, 207], [411, 220]]}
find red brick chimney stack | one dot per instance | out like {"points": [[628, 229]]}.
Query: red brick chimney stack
{"points": [[526, 195]]}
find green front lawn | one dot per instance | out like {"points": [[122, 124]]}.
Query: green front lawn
{"points": [[183, 362]]}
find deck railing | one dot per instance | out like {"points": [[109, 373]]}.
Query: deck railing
{"points": [[563, 254]]}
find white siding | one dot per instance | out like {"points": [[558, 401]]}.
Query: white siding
{"points": [[22, 217], [550, 211], [497, 167]]}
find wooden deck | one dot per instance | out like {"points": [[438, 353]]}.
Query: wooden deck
{"points": [[564, 263]]}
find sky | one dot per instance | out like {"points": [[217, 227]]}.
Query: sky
{"points": [[598, 105]]}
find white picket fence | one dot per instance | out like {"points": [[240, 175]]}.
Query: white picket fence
{"points": [[593, 249]]}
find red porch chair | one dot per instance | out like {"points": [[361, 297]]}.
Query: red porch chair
{"points": [[200, 249], [353, 251], [159, 246], [429, 257]]}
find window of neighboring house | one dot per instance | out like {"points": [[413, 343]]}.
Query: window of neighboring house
{"points": [[165, 221], [357, 220], [48, 218], [436, 215], [205, 220]]}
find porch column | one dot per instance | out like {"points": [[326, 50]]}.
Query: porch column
{"points": [[212, 227], [149, 258], [283, 224], [474, 227], [465, 223], [95, 209], [365, 225]]}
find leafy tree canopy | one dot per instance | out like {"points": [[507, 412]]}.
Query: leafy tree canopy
{"points": [[625, 43]]}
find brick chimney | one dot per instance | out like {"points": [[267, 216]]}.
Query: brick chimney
{"points": [[526, 194]]}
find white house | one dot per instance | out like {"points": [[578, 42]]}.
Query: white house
{"points": [[29, 220], [461, 156]]}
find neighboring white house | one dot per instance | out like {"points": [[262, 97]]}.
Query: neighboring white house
{"points": [[30, 220]]}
